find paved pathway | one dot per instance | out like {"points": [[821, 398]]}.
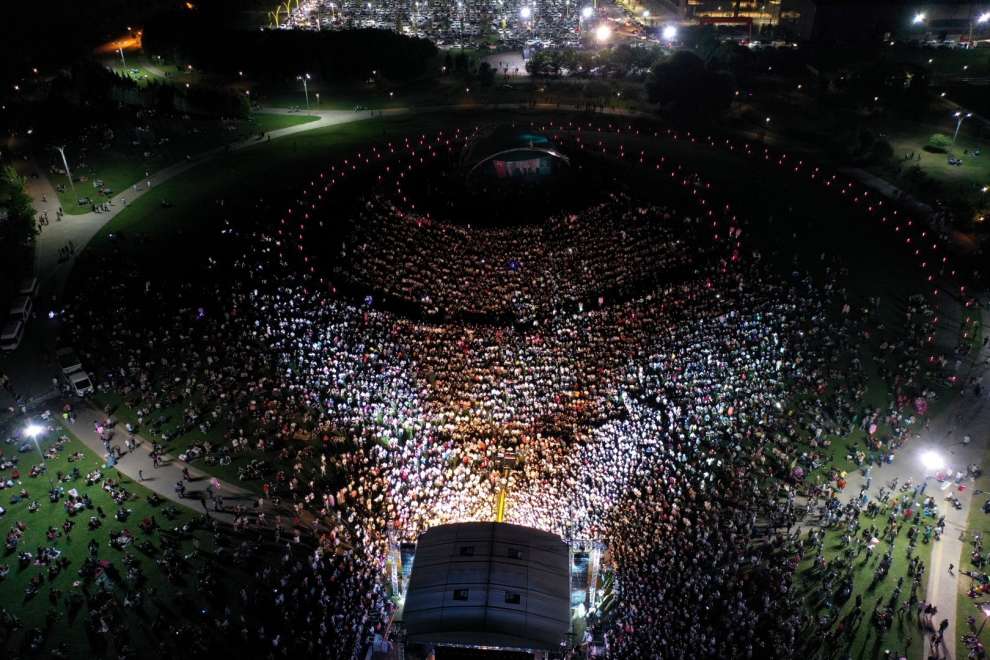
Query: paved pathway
{"points": [[161, 480], [966, 415]]}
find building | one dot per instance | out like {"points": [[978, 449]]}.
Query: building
{"points": [[873, 21], [758, 13], [489, 586]]}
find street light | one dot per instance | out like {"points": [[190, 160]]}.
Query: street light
{"points": [[960, 117], [305, 80], [986, 615], [317, 100], [603, 33], [65, 162], [670, 32], [586, 12], [525, 13], [919, 18], [932, 460], [32, 431], [981, 19]]}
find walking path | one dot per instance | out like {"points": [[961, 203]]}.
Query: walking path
{"points": [[965, 415], [161, 480]]}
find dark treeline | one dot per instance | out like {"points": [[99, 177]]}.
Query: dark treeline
{"points": [[90, 86], [345, 56]]}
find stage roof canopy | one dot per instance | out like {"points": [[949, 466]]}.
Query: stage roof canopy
{"points": [[489, 585]]}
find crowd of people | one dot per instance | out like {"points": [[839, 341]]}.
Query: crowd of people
{"points": [[520, 272], [673, 423]]}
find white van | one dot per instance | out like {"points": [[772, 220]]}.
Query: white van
{"points": [[13, 333], [80, 382], [20, 309]]}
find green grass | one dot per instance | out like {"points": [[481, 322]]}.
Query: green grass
{"points": [[267, 121], [74, 546], [122, 164], [974, 172], [866, 637], [977, 523]]}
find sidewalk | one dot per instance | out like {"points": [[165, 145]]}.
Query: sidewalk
{"points": [[161, 480]]}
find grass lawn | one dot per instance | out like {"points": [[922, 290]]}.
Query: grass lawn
{"points": [[977, 524], [67, 621], [146, 147], [267, 121], [974, 172], [866, 640]]}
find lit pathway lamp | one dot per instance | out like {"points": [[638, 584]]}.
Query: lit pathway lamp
{"points": [[932, 460], [960, 117], [603, 33], [32, 431], [65, 162], [981, 19], [305, 81]]}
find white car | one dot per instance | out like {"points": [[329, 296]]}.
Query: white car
{"points": [[13, 332]]}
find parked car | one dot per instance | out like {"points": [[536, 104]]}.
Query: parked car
{"points": [[13, 333], [21, 308]]}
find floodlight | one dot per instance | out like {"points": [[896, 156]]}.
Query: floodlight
{"points": [[932, 460]]}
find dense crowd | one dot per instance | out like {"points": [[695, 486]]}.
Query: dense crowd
{"points": [[522, 272], [674, 423]]}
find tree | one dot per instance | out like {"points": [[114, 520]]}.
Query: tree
{"points": [[486, 75], [17, 227], [939, 142], [685, 87]]}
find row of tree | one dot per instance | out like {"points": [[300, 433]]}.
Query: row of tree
{"points": [[93, 85], [279, 55], [17, 229]]}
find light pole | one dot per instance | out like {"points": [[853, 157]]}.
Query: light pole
{"points": [[65, 162], [32, 431], [317, 100], [986, 615], [305, 81], [960, 117], [981, 19]]}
